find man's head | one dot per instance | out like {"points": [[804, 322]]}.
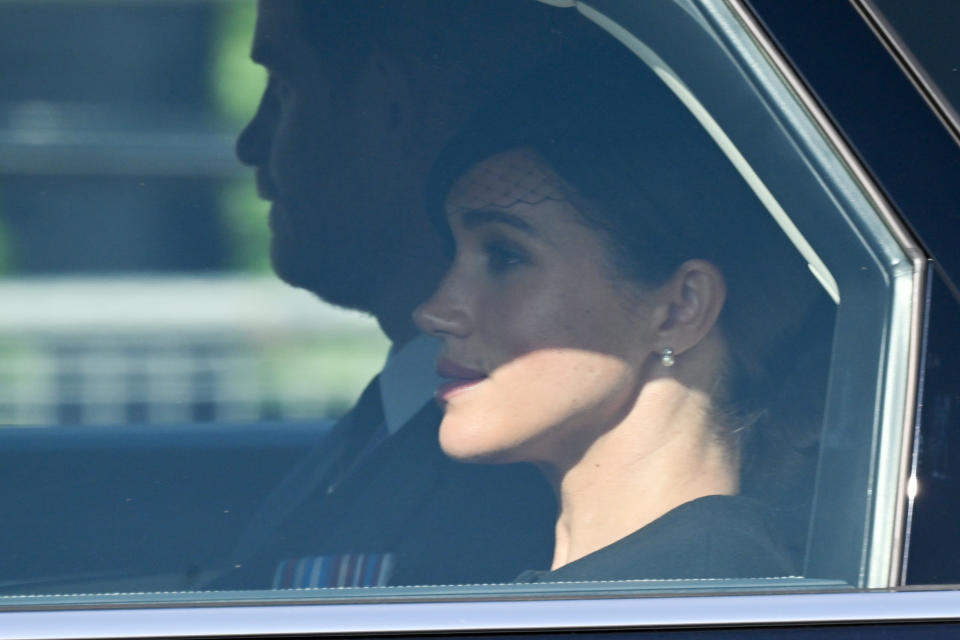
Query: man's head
{"points": [[360, 98]]}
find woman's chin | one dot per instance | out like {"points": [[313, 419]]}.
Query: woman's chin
{"points": [[470, 445]]}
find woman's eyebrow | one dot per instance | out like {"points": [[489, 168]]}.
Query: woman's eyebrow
{"points": [[473, 218]]}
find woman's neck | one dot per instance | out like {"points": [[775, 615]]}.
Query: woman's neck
{"points": [[663, 454]]}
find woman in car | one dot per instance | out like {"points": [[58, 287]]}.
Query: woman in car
{"points": [[615, 295]]}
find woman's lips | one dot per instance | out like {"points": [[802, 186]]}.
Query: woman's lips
{"points": [[462, 379], [449, 389]]}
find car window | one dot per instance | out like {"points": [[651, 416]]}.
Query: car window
{"points": [[919, 36], [433, 301]]}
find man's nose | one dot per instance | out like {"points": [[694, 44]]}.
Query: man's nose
{"points": [[446, 314], [253, 143]]}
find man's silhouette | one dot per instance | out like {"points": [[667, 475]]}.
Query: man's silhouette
{"points": [[361, 96]]}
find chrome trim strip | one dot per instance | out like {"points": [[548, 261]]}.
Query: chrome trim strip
{"points": [[912, 482], [912, 67], [899, 231], [614, 613], [673, 82], [907, 484]]}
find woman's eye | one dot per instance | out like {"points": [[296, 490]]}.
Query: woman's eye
{"points": [[502, 257]]}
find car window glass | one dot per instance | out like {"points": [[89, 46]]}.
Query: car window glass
{"points": [[923, 33], [433, 301]]}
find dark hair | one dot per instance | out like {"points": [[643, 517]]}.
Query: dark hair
{"points": [[662, 192], [352, 28], [469, 46]]}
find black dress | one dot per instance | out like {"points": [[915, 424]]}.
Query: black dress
{"points": [[710, 537]]}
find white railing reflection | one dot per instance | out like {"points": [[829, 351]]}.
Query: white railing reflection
{"points": [[173, 350]]}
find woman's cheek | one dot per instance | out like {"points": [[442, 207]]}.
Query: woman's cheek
{"points": [[526, 320]]}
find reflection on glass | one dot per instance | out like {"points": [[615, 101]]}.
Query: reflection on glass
{"points": [[619, 308]]}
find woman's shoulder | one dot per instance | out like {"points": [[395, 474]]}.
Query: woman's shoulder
{"points": [[710, 537]]}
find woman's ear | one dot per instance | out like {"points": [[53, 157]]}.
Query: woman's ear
{"points": [[692, 301]]}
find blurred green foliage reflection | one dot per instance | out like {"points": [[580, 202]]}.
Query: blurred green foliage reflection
{"points": [[237, 84]]}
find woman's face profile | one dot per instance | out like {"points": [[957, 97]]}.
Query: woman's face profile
{"points": [[544, 349]]}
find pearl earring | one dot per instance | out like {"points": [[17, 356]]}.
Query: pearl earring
{"points": [[667, 360]]}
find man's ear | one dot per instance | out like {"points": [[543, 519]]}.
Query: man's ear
{"points": [[385, 87], [691, 302]]}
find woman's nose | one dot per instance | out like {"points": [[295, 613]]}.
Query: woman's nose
{"points": [[445, 314]]}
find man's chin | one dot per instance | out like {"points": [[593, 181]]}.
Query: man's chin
{"points": [[333, 280]]}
